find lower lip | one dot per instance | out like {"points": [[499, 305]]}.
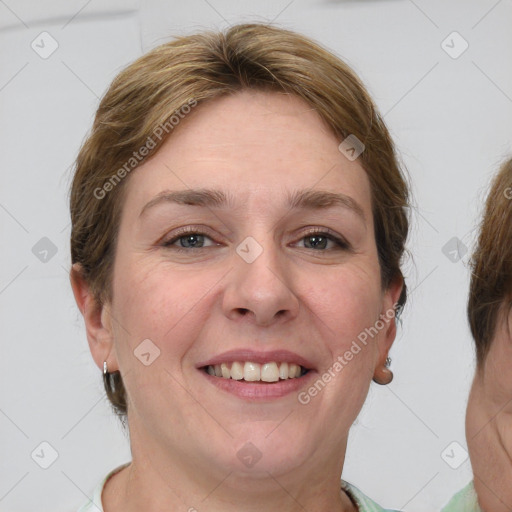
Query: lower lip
{"points": [[260, 391]]}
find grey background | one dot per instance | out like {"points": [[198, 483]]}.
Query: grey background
{"points": [[451, 119]]}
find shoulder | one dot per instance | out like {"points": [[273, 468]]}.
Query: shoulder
{"points": [[464, 501], [364, 504], [94, 504]]}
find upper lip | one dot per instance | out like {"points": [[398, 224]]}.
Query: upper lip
{"points": [[279, 356]]}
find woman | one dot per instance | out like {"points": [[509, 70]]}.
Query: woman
{"points": [[238, 222], [489, 411]]}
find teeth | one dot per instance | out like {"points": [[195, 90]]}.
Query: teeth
{"points": [[237, 371], [269, 372], [283, 371], [254, 372], [293, 371], [225, 370]]}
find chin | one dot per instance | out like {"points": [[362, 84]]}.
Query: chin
{"points": [[260, 453]]}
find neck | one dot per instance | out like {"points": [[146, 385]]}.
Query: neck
{"points": [[155, 482], [490, 446], [489, 426]]}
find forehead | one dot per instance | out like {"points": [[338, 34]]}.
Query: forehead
{"points": [[259, 146]]}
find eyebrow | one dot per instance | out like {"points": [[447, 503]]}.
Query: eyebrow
{"points": [[211, 198]]}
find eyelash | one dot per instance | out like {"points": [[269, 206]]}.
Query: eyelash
{"points": [[324, 233]]}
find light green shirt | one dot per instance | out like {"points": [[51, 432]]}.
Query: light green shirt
{"points": [[464, 501], [364, 504]]}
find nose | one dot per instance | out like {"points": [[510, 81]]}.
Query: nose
{"points": [[260, 289]]}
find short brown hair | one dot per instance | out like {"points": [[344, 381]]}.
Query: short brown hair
{"points": [[202, 67], [491, 264]]}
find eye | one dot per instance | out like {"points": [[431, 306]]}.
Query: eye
{"points": [[318, 239], [188, 239]]}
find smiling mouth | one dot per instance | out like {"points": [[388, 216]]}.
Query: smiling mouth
{"points": [[255, 372]]}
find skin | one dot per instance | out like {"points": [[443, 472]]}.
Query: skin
{"points": [[489, 421], [185, 432]]}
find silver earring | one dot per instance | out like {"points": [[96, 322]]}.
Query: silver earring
{"points": [[105, 371], [387, 364]]}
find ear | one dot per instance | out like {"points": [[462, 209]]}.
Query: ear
{"points": [[382, 374], [97, 319]]}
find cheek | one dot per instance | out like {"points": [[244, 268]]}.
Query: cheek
{"points": [[161, 304], [153, 300], [346, 309], [346, 299], [167, 307]]}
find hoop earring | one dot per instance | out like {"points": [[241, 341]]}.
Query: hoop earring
{"points": [[106, 376]]}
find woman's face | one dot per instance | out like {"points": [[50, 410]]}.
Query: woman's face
{"points": [[249, 281]]}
